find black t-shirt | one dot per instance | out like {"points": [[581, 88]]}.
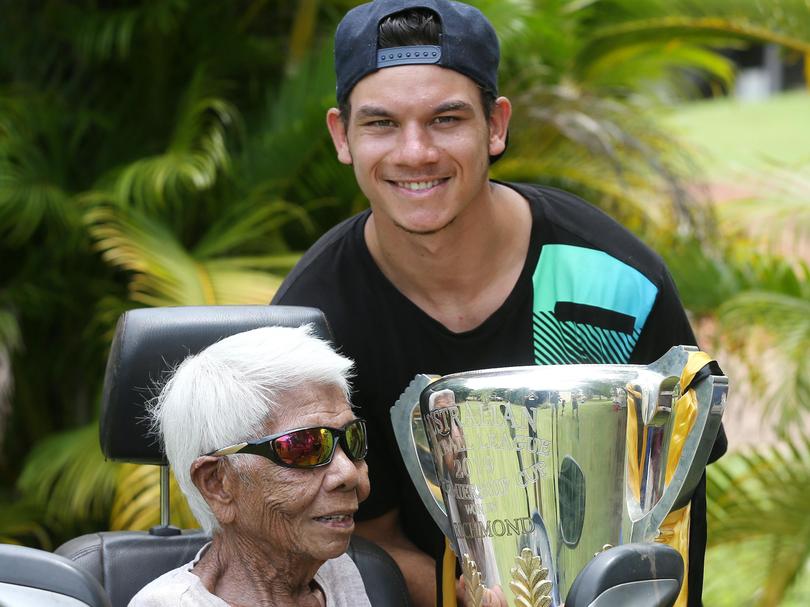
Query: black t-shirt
{"points": [[589, 292]]}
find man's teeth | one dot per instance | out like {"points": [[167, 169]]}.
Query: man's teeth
{"points": [[416, 186]]}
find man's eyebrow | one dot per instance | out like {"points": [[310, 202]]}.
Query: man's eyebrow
{"points": [[372, 111], [453, 106]]}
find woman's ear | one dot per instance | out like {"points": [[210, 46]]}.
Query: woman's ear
{"points": [[217, 482], [337, 130]]}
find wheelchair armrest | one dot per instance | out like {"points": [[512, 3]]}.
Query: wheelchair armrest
{"points": [[34, 577], [631, 575]]}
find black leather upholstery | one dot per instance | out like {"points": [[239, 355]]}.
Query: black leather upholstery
{"points": [[34, 577], [382, 578], [125, 561], [150, 342]]}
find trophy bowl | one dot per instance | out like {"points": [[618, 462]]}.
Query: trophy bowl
{"points": [[531, 471]]}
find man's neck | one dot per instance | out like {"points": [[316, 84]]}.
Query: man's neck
{"points": [[462, 274]]}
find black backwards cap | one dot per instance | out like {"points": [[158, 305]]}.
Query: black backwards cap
{"points": [[468, 43]]}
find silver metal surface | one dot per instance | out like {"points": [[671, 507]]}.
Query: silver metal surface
{"points": [[165, 495], [562, 460]]}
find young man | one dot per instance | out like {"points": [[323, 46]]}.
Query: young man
{"points": [[449, 271]]}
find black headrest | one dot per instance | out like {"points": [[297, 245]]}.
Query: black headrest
{"points": [[150, 342]]}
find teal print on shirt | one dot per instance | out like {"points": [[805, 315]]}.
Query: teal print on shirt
{"points": [[588, 307]]}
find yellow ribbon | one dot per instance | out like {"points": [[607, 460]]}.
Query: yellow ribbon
{"points": [[448, 576], [675, 528], [632, 450]]}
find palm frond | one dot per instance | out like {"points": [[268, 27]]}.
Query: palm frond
{"points": [[278, 152], [255, 220], [20, 523], [780, 368], [586, 128], [778, 215], [196, 154], [757, 505], [137, 500], [234, 283], [166, 273], [32, 178], [66, 474], [101, 35], [707, 277], [650, 64], [574, 134], [785, 23]]}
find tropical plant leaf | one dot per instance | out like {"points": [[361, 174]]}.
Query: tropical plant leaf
{"points": [[20, 523], [255, 221], [635, 65], [778, 212], [33, 184], [196, 153], [165, 273], [780, 365], [785, 24], [757, 505], [103, 35], [137, 500], [67, 476], [290, 129]]}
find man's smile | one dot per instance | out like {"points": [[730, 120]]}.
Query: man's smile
{"points": [[419, 186]]}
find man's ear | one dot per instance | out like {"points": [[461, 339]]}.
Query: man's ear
{"points": [[217, 482], [337, 129], [499, 125]]}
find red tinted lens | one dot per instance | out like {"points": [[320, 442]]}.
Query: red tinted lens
{"points": [[304, 448], [355, 443]]}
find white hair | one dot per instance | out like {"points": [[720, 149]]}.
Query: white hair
{"points": [[226, 393]]}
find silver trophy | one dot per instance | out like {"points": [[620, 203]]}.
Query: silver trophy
{"points": [[530, 471]]}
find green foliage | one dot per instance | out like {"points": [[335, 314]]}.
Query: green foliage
{"points": [[67, 476], [138, 492], [709, 278], [758, 508], [18, 525]]}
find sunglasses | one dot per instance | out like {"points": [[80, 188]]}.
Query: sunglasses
{"points": [[306, 447]]}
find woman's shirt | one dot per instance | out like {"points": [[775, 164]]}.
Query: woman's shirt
{"points": [[338, 578]]}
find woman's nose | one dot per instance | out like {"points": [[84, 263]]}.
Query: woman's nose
{"points": [[343, 473]]}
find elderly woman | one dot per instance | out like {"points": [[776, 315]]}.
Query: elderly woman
{"points": [[264, 444]]}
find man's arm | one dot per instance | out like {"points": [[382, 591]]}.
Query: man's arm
{"points": [[418, 568]]}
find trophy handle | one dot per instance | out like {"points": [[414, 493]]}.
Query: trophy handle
{"points": [[710, 395], [422, 474]]}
